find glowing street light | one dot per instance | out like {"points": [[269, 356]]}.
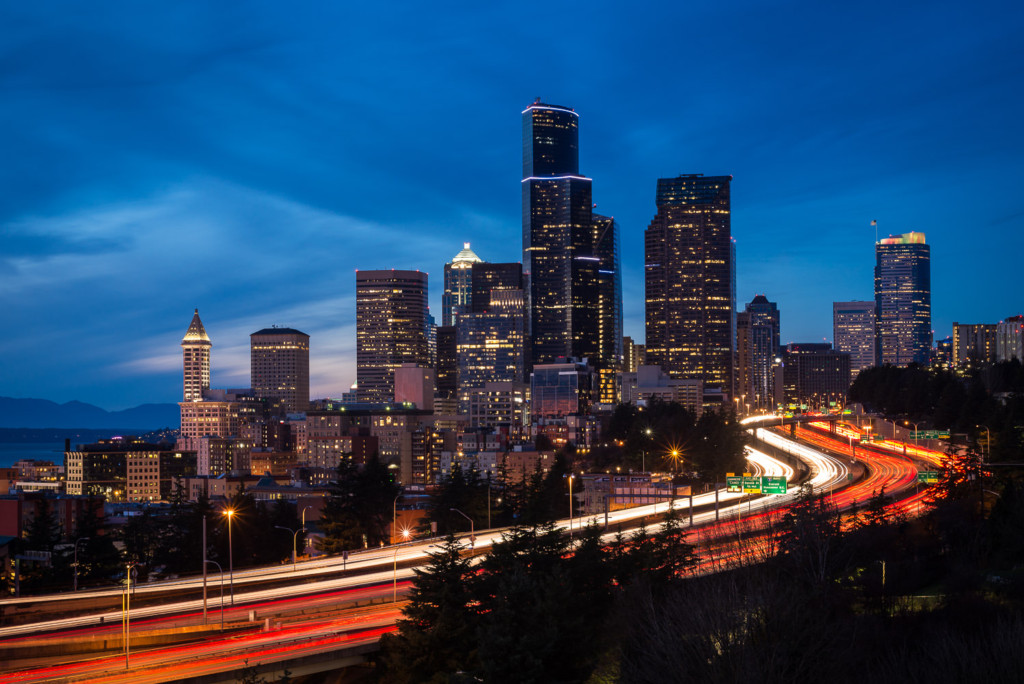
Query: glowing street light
{"points": [[230, 513]]}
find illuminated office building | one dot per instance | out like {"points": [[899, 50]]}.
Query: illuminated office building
{"points": [[903, 300], [491, 339], [690, 281], [279, 367], [195, 347], [853, 331], [458, 285], [391, 323], [570, 254], [757, 346]]}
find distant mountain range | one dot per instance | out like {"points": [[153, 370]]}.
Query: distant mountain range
{"points": [[41, 413]]}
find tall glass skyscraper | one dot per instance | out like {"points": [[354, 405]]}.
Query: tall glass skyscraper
{"points": [[570, 255], [689, 281], [903, 300]]}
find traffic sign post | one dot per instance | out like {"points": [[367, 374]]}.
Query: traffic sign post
{"points": [[773, 485], [928, 477]]}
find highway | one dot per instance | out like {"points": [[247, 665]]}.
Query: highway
{"points": [[380, 574]]}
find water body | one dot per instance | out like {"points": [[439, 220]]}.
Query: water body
{"points": [[40, 451]]}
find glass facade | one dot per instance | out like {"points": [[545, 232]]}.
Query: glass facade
{"points": [[560, 389], [689, 280], [458, 285], [279, 367], [491, 344], [757, 344], [570, 255], [391, 322], [903, 300]]}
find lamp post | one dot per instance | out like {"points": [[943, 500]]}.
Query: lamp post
{"points": [[394, 518], [394, 597], [81, 539], [221, 592], [472, 528], [910, 422], [643, 453], [305, 541], [893, 428], [230, 513], [987, 451], [126, 616], [295, 540], [570, 505]]}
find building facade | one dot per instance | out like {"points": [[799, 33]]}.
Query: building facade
{"points": [[853, 332], [689, 281], [279, 367], [813, 374], [974, 344], [391, 321], [458, 285], [903, 300], [195, 348], [1010, 339], [757, 346], [569, 254]]}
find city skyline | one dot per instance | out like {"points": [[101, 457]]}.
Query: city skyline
{"points": [[248, 167]]}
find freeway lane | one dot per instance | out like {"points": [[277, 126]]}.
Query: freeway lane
{"points": [[223, 654]]}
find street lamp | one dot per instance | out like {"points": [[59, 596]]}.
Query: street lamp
{"points": [[405, 537], [221, 592], [472, 528], [643, 452], [570, 476], [126, 615], [230, 513], [76, 559], [675, 460], [910, 422], [394, 518], [986, 452], [305, 541], [295, 539]]}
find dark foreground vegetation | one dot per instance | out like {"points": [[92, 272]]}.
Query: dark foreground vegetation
{"points": [[876, 597]]}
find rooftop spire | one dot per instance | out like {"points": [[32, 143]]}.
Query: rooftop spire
{"points": [[196, 333], [466, 256]]}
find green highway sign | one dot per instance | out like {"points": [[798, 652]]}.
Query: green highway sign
{"points": [[928, 476], [734, 484], [773, 485], [751, 484]]}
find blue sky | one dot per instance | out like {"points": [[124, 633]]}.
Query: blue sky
{"points": [[245, 158]]}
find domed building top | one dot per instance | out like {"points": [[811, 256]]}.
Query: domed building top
{"points": [[196, 333], [466, 257]]}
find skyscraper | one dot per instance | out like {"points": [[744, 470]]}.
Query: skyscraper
{"points": [[458, 284], [491, 344], [853, 331], [689, 280], [391, 322], [195, 347], [757, 345], [279, 367], [569, 254], [903, 300]]}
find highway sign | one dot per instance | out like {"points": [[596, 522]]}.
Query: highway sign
{"points": [[751, 484], [773, 485], [928, 476], [734, 484]]}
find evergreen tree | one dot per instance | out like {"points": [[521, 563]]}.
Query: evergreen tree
{"points": [[436, 636]]}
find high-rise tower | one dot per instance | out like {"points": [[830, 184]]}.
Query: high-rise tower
{"points": [[903, 299], [569, 254], [688, 278], [195, 347], [458, 285], [391, 318], [279, 367], [757, 346]]}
